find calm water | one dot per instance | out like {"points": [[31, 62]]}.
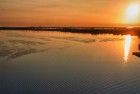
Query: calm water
{"points": [[46, 62]]}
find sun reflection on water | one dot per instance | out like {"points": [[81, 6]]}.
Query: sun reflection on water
{"points": [[127, 45]]}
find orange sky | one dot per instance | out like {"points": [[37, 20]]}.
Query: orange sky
{"points": [[63, 12]]}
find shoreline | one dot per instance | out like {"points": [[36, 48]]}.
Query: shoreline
{"points": [[91, 30]]}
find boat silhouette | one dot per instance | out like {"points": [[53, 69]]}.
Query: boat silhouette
{"points": [[137, 53]]}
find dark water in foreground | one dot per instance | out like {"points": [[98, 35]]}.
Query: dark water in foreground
{"points": [[68, 63]]}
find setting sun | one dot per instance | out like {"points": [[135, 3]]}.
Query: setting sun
{"points": [[69, 46], [132, 13]]}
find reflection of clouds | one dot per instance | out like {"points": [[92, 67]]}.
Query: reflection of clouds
{"points": [[110, 39], [23, 52], [11, 49], [14, 44], [25, 42], [87, 38], [82, 40]]}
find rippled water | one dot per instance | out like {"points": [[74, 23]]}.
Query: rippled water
{"points": [[33, 62]]}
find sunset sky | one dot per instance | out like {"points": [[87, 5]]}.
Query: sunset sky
{"points": [[69, 12]]}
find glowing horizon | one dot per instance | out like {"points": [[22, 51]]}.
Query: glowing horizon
{"points": [[68, 13]]}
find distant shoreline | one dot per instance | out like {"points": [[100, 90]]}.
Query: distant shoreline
{"points": [[91, 30]]}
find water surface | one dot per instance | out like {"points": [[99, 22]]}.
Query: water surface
{"points": [[44, 62]]}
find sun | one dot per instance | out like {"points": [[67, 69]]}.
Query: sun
{"points": [[132, 13]]}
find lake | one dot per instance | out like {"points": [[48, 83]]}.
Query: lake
{"points": [[51, 62]]}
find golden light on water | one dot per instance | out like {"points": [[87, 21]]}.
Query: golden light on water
{"points": [[127, 45]]}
